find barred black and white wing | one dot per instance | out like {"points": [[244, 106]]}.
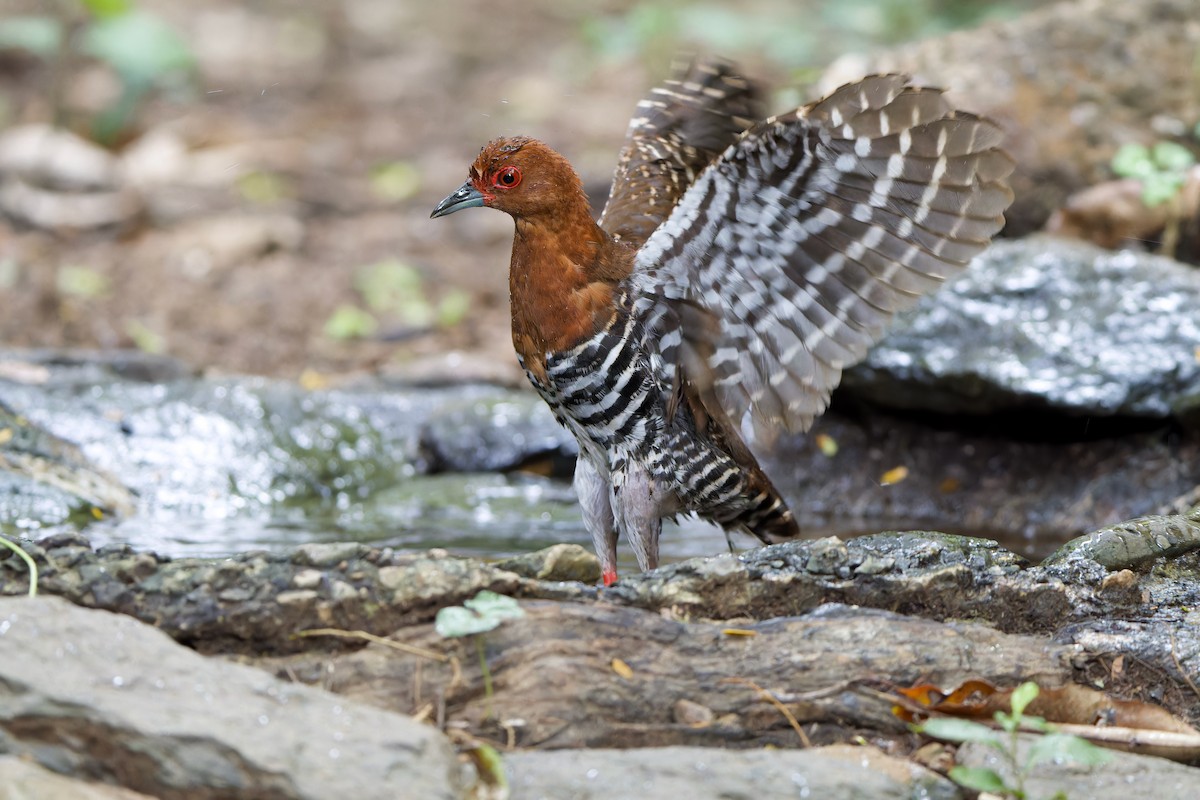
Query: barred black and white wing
{"points": [[789, 255], [676, 131]]}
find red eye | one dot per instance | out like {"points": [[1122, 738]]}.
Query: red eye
{"points": [[507, 178]]}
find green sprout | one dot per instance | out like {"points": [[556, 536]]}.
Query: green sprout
{"points": [[395, 181], [82, 282], [391, 288], [478, 615], [33, 570], [1162, 169], [350, 322], [1051, 746], [145, 338]]}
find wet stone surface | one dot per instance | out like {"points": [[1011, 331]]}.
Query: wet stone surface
{"points": [[214, 467], [931, 606], [131, 707], [1047, 325]]}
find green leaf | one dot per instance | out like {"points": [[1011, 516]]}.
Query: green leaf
{"points": [[1022, 696], [1059, 747], [495, 606], [455, 621], [350, 322], [954, 729], [41, 36], [107, 8], [1036, 723], [453, 308], [1172, 157], [145, 338], [1007, 722], [264, 188], [1160, 188], [398, 180], [81, 282], [108, 124], [490, 766], [483, 612], [1133, 161], [390, 286], [416, 311], [981, 779], [142, 48]]}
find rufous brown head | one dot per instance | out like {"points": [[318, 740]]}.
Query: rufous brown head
{"points": [[519, 176]]}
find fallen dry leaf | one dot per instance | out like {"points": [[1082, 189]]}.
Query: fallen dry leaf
{"points": [[826, 444], [738, 632], [1078, 710]]}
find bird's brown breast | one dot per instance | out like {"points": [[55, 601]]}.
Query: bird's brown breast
{"points": [[561, 285]]}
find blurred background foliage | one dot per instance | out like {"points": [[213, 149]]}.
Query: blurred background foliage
{"points": [[144, 54], [796, 35], [254, 141], [142, 51]]}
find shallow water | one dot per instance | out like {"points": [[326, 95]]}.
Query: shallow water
{"points": [[482, 515], [223, 466]]}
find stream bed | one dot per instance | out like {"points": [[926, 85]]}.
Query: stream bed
{"points": [[133, 451]]}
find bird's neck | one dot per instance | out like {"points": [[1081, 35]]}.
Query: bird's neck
{"points": [[561, 280]]}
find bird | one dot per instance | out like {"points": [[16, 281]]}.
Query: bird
{"points": [[738, 267]]}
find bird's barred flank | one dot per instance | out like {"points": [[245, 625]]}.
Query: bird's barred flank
{"points": [[738, 268]]}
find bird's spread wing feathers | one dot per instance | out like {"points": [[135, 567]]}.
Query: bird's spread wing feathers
{"points": [[788, 256], [676, 131]]}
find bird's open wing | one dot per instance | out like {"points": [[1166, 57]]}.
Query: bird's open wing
{"points": [[676, 131], [789, 255]]}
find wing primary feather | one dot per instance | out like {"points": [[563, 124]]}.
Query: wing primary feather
{"points": [[803, 238]]}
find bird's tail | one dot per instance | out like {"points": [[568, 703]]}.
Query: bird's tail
{"points": [[764, 513]]}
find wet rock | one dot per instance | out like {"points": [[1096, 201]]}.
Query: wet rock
{"points": [[702, 773], [497, 433], [250, 446], [1047, 325], [66, 367], [454, 368], [919, 572], [29, 452], [217, 466], [556, 681], [1129, 544], [562, 562], [327, 555], [255, 602], [557, 686], [996, 480], [131, 707]]}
